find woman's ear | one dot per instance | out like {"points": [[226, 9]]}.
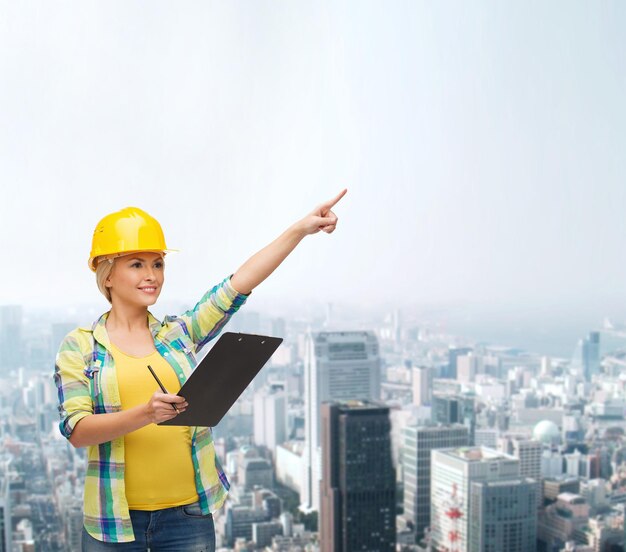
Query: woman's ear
{"points": [[107, 282]]}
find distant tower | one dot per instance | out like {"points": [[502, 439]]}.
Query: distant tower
{"points": [[591, 355], [358, 488], [270, 416], [546, 366], [286, 519], [453, 355], [329, 315], [422, 385], [467, 367], [397, 325], [5, 510]]}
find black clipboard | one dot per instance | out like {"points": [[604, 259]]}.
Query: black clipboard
{"points": [[221, 377]]}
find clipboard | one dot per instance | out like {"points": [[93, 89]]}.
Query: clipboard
{"points": [[221, 377]]}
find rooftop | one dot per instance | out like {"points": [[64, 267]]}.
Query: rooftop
{"points": [[358, 404], [479, 454]]}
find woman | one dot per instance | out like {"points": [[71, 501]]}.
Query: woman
{"points": [[149, 486]]}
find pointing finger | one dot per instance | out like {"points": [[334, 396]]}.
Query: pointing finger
{"points": [[335, 200]]}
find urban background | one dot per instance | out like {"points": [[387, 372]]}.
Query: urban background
{"points": [[375, 434], [453, 370]]}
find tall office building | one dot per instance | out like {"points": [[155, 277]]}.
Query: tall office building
{"points": [[455, 409], [338, 366], [453, 354], [418, 442], [396, 325], [358, 503], [270, 416], [5, 512], [467, 366], [465, 512], [422, 385], [10, 337], [591, 355]]}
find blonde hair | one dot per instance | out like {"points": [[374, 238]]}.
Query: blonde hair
{"points": [[103, 271]]}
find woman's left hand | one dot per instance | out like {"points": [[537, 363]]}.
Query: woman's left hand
{"points": [[258, 267], [322, 218]]}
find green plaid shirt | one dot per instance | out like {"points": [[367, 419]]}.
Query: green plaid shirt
{"points": [[87, 384]]}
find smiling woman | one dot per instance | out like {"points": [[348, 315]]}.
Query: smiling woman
{"points": [[151, 487]]}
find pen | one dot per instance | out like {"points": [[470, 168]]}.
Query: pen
{"points": [[161, 385]]}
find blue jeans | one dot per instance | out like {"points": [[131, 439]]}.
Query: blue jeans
{"points": [[183, 528]]}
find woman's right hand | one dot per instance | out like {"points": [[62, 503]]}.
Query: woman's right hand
{"points": [[102, 428], [159, 407]]}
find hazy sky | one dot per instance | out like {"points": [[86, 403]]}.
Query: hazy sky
{"points": [[482, 143]]}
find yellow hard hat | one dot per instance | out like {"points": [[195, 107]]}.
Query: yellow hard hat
{"points": [[129, 229]]}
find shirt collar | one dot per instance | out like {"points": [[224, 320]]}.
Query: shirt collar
{"points": [[101, 336]]}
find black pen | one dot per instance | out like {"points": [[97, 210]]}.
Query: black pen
{"points": [[161, 386]]}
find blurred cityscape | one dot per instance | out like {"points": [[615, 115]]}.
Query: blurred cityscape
{"points": [[361, 434]]}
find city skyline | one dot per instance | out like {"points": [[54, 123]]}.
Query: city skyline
{"points": [[562, 420]]}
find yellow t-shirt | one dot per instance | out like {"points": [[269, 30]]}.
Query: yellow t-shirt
{"points": [[158, 467]]}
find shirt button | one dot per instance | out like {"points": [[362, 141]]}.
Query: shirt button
{"points": [[181, 376], [166, 353]]}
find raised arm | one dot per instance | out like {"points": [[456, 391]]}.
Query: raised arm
{"points": [[258, 267]]}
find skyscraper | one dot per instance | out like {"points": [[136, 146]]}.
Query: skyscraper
{"points": [[422, 385], [418, 442], [466, 511], [270, 416], [453, 355], [467, 366], [591, 355], [358, 488], [338, 366], [5, 511]]}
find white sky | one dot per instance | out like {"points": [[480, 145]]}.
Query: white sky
{"points": [[482, 145]]}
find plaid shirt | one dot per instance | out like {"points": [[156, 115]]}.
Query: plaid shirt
{"points": [[87, 384]]}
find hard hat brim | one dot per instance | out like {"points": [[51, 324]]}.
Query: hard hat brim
{"points": [[93, 261]]}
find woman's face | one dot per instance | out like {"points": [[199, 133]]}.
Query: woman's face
{"points": [[137, 278]]}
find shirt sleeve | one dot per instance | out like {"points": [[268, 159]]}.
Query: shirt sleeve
{"points": [[72, 385], [213, 311]]}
